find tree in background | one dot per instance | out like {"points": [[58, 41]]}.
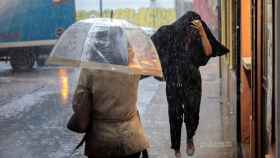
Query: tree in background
{"points": [[153, 6], [148, 17]]}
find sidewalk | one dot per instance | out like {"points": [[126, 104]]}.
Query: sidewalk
{"points": [[215, 136]]}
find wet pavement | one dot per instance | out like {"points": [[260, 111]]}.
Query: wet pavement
{"points": [[215, 137], [35, 106]]}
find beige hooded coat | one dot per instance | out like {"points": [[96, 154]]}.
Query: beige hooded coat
{"points": [[105, 106]]}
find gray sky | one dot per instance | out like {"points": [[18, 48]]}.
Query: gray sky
{"points": [[113, 4]]}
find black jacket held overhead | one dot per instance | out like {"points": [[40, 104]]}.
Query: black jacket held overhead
{"points": [[179, 44]]}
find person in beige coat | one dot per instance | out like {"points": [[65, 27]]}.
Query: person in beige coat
{"points": [[105, 109]]}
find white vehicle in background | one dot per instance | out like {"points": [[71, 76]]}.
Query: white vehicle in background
{"points": [[149, 30]]}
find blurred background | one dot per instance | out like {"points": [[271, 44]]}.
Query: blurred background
{"points": [[148, 13], [240, 103]]}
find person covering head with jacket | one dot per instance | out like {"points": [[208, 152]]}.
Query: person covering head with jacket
{"points": [[183, 47], [105, 110]]}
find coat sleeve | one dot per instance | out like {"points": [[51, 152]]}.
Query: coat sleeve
{"points": [[162, 43], [82, 102], [217, 48]]}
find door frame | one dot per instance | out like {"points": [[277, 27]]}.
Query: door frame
{"points": [[256, 150], [257, 90], [277, 78]]}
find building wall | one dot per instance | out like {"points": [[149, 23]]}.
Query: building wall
{"points": [[246, 31], [277, 77], [249, 139], [228, 35], [230, 67], [209, 11], [246, 51]]}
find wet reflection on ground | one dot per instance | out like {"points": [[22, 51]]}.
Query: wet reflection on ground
{"points": [[35, 106], [64, 85]]}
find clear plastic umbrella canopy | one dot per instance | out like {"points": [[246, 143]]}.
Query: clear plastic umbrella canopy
{"points": [[107, 44]]}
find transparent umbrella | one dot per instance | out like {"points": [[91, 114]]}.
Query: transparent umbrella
{"points": [[107, 44]]}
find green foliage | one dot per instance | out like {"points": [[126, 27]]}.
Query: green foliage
{"points": [[147, 17]]}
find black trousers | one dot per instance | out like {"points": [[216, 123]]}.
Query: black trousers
{"points": [[183, 104]]}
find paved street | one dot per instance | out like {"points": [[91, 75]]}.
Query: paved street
{"points": [[35, 106]]}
